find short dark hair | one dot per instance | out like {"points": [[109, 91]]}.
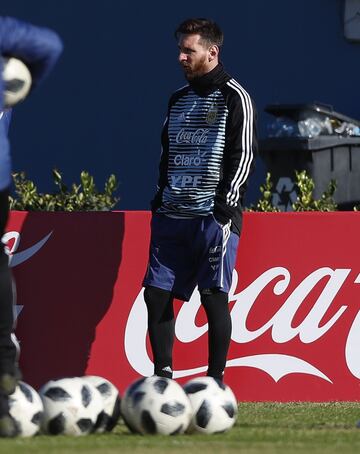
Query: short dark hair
{"points": [[208, 30]]}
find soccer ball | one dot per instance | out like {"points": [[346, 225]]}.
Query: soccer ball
{"points": [[214, 405], [27, 409], [17, 81], [156, 405], [127, 405], [111, 400], [71, 406]]}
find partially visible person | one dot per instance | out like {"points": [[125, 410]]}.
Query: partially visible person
{"points": [[208, 146], [39, 48]]}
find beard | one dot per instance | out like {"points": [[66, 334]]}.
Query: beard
{"points": [[196, 69]]}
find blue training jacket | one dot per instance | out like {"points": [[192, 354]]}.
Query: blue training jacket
{"points": [[39, 48]]}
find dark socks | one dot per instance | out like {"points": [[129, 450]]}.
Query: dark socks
{"points": [[219, 320], [161, 326]]}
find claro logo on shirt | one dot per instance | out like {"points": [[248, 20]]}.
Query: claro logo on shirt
{"points": [[188, 160], [197, 137]]}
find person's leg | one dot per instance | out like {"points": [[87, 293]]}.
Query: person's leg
{"points": [[217, 311], [7, 347], [161, 326], [8, 368], [216, 264]]}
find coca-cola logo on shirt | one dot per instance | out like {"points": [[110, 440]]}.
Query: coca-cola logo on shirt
{"points": [[197, 137], [280, 325]]}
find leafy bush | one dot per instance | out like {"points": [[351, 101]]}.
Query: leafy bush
{"points": [[305, 200], [265, 203], [82, 197]]}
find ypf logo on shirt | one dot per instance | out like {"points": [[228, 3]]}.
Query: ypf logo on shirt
{"points": [[185, 181]]}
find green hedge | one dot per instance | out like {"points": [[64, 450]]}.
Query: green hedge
{"points": [[304, 190], [79, 197], [85, 196]]}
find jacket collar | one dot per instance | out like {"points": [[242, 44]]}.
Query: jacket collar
{"points": [[209, 82]]}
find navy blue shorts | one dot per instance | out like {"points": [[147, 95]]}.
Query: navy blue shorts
{"points": [[185, 253]]}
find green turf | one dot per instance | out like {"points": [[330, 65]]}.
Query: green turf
{"points": [[261, 428]]}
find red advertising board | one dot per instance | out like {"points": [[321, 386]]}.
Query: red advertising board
{"points": [[295, 303]]}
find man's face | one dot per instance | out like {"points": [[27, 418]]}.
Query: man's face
{"points": [[194, 57]]}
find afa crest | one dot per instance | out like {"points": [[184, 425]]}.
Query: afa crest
{"points": [[211, 115]]}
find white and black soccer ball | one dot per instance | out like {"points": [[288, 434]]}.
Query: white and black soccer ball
{"points": [[111, 401], [128, 403], [214, 405], [27, 409], [17, 81], [156, 405], [71, 406]]}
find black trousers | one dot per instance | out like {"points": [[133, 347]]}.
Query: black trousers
{"points": [[7, 347]]}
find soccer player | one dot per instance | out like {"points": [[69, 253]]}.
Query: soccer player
{"points": [[39, 48], [208, 146]]}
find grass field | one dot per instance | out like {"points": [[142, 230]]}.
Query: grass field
{"points": [[261, 428]]}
